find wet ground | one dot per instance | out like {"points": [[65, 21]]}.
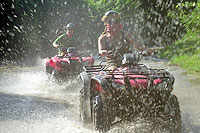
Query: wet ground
{"points": [[30, 103]]}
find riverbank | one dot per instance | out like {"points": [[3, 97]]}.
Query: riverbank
{"points": [[184, 53], [190, 63]]}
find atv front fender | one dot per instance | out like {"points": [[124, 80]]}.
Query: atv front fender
{"points": [[102, 82], [86, 92], [86, 95]]}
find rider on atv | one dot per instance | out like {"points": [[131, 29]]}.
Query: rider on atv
{"points": [[131, 90], [65, 40], [115, 40]]}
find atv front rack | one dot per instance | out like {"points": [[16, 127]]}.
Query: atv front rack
{"points": [[139, 69]]}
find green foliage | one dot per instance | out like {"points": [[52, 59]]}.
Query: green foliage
{"points": [[127, 8], [187, 45], [186, 51], [188, 13], [33, 23], [146, 19], [190, 63]]}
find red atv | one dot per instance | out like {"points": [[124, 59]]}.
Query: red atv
{"points": [[71, 64], [132, 90]]}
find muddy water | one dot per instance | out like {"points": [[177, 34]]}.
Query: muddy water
{"points": [[30, 103]]}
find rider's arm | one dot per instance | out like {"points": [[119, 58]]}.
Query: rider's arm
{"points": [[101, 44], [55, 42], [133, 42]]}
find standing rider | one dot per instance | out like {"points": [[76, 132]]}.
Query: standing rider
{"points": [[66, 40], [115, 40]]}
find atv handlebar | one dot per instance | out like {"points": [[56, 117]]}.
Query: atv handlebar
{"points": [[111, 53], [126, 59], [61, 48]]}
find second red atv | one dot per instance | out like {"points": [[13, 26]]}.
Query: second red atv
{"points": [[130, 91], [71, 64]]}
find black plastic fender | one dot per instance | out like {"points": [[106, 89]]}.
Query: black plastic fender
{"points": [[100, 79], [86, 108], [88, 79]]}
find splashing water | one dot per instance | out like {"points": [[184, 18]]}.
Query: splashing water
{"points": [[30, 102]]}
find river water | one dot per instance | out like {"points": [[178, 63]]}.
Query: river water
{"points": [[30, 103]]}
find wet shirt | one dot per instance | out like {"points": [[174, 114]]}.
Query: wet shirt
{"points": [[65, 41], [119, 49]]}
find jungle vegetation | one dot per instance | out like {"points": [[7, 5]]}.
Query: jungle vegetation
{"points": [[185, 51], [28, 26]]}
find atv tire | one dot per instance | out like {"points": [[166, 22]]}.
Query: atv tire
{"points": [[100, 118], [172, 110], [48, 69], [171, 118], [83, 115], [55, 74]]}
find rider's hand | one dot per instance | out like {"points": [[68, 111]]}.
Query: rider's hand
{"points": [[60, 48], [147, 52], [110, 54], [106, 53], [103, 53]]}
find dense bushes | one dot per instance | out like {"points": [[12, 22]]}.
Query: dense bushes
{"points": [[186, 51], [29, 26]]}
